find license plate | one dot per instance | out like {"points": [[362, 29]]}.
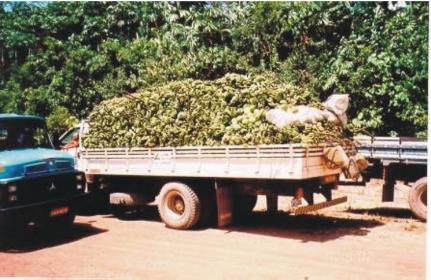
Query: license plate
{"points": [[59, 211]]}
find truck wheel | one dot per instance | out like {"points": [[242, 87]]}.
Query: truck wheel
{"points": [[118, 211], [63, 222], [179, 206], [244, 204], [418, 199]]}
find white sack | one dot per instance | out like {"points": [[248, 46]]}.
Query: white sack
{"points": [[336, 107], [337, 103], [278, 117]]}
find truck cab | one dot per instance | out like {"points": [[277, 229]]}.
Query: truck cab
{"points": [[38, 184], [65, 140]]}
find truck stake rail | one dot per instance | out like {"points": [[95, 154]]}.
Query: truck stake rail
{"points": [[288, 161]]}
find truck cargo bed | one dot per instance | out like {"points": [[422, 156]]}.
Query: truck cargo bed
{"points": [[286, 161]]}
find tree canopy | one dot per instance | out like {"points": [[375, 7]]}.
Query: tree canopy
{"points": [[73, 55]]}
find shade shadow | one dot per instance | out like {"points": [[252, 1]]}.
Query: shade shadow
{"points": [[385, 212], [317, 228], [27, 239], [147, 213], [307, 228]]}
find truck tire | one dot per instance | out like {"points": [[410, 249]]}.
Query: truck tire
{"points": [[179, 206], [118, 211], [418, 199], [244, 204], [62, 222]]}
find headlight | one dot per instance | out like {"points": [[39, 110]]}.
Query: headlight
{"points": [[80, 181], [79, 178], [13, 197], [12, 188]]}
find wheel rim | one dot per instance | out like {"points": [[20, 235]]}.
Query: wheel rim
{"points": [[174, 205]]}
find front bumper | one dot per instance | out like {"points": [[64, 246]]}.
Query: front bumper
{"points": [[39, 212]]}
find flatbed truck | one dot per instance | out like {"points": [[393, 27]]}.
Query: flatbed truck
{"points": [[194, 184]]}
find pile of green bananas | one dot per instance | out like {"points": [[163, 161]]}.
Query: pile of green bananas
{"points": [[227, 111]]}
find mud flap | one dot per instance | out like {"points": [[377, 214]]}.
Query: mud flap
{"points": [[224, 194]]}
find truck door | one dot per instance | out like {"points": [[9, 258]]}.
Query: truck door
{"points": [[66, 139]]}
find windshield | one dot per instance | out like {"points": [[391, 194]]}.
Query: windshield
{"points": [[18, 133]]}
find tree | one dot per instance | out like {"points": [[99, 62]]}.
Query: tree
{"points": [[76, 54]]}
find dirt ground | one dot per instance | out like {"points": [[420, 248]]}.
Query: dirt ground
{"points": [[383, 242]]}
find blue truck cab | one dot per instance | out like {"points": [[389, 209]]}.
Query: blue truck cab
{"points": [[37, 183]]}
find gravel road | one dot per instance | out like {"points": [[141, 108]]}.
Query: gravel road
{"points": [[381, 243]]}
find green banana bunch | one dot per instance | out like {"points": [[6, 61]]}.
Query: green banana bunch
{"points": [[227, 111]]}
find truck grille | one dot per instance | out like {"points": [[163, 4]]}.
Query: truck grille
{"points": [[36, 168], [48, 166], [61, 165], [45, 188]]}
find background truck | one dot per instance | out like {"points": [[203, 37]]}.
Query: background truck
{"points": [[398, 158], [194, 184], [37, 183]]}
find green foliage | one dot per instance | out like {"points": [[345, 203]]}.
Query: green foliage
{"points": [[59, 121], [77, 54], [383, 66]]}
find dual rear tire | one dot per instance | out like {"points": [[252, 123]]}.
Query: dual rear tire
{"points": [[183, 207]]}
